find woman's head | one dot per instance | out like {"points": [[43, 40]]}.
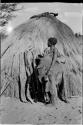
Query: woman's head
{"points": [[52, 41]]}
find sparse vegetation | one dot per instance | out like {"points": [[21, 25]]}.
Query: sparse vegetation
{"points": [[6, 12]]}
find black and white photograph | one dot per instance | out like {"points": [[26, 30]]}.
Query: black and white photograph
{"points": [[41, 63]]}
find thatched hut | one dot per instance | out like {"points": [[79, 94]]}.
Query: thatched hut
{"points": [[31, 37]]}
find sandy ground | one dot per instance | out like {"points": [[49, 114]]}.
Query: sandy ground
{"points": [[12, 111]]}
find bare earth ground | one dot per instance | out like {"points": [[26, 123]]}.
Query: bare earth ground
{"points": [[12, 111]]}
